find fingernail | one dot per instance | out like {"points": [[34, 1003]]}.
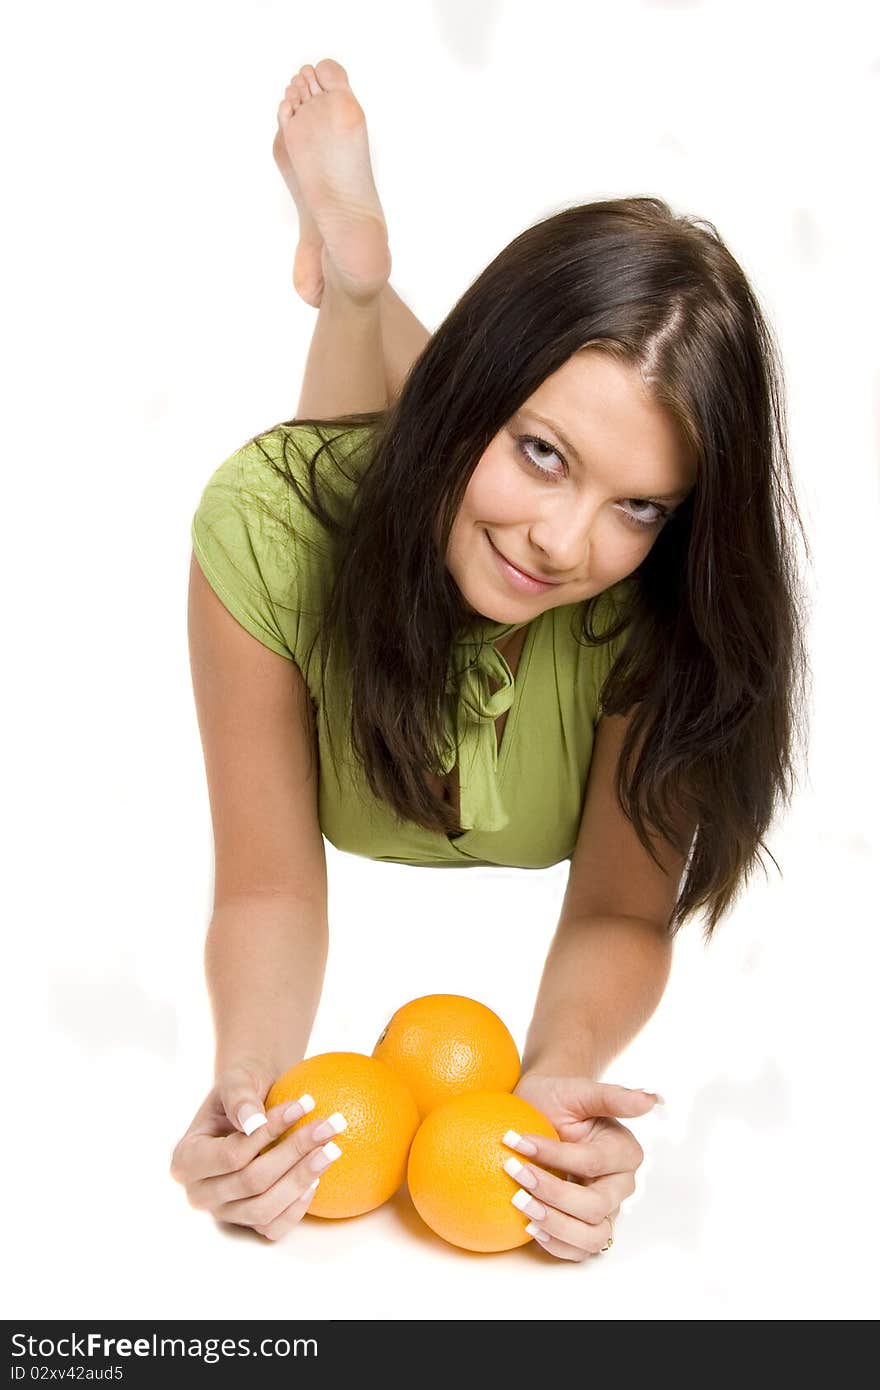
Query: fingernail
{"points": [[334, 1124], [653, 1094], [251, 1117], [311, 1187], [533, 1229], [525, 1202], [517, 1170], [297, 1108], [324, 1157], [516, 1141]]}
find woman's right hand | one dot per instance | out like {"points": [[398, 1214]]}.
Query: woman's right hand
{"points": [[223, 1169]]}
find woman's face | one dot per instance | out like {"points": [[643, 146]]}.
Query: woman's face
{"points": [[572, 490]]}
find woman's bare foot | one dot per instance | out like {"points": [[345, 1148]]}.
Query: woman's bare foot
{"points": [[343, 236], [308, 277]]}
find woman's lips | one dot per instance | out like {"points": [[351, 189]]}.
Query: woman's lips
{"points": [[519, 579]]}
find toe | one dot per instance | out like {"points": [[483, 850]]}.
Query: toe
{"points": [[331, 74], [308, 72]]}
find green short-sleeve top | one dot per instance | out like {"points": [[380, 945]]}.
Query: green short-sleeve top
{"points": [[270, 562]]}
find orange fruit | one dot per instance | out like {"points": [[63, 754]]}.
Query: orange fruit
{"points": [[445, 1044], [456, 1176], [382, 1119]]}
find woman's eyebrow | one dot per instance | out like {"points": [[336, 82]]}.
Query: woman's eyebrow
{"points": [[569, 447]]}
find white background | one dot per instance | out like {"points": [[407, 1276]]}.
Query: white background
{"points": [[151, 327]]}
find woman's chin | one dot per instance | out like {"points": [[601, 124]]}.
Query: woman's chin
{"points": [[496, 613]]}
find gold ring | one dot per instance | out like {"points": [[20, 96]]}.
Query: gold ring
{"points": [[610, 1238]]}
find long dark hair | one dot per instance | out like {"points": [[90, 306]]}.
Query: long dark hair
{"points": [[714, 656]]}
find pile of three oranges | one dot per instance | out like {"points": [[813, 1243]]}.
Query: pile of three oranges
{"points": [[430, 1105]]}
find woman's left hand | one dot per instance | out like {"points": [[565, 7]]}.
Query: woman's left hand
{"points": [[600, 1156]]}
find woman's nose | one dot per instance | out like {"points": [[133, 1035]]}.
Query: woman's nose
{"points": [[566, 536]]}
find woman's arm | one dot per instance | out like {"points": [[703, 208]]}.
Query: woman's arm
{"points": [[603, 978], [605, 973], [266, 946], [264, 965], [611, 956]]}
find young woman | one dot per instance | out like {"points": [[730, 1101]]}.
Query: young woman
{"points": [[516, 592]]}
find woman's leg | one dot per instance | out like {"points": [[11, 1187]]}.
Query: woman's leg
{"points": [[344, 372], [403, 338], [365, 339], [360, 354]]}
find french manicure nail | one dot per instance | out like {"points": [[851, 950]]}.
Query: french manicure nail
{"points": [[516, 1141], [518, 1171], [524, 1201], [324, 1157], [250, 1117], [297, 1108], [334, 1124], [533, 1229]]}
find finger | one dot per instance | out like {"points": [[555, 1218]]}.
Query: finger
{"points": [[591, 1203], [566, 1228], [604, 1098], [268, 1166], [265, 1207], [291, 1216], [582, 1235], [608, 1195], [615, 1150], [244, 1107], [200, 1156], [560, 1248], [210, 1118], [554, 1246]]}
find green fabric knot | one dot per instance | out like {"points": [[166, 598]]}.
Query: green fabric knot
{"points": [[469, 724]]}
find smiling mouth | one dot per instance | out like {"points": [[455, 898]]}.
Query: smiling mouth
{"points": [[550, 583]]}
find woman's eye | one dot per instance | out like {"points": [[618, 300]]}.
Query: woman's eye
{"points": [[538, 453], [658, 513]]}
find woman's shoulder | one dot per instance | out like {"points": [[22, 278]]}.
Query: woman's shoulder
{"points": [[260, 543], [268, 474], [276, 491]]}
